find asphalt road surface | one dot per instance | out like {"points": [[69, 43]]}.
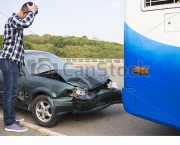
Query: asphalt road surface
{"points": [[112, 121]]}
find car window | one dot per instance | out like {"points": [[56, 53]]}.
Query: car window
{"points": [[39, 62]]}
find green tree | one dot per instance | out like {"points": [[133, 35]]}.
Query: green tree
{"points": [[1, 41], [74, 47], [28, 46]]}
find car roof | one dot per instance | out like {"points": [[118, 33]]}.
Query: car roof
{"points": [[30, 51]]}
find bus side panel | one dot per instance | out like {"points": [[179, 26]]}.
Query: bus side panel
{"points": [[158, 92]]}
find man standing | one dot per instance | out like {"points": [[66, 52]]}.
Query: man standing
{"points": [[10, 61]]}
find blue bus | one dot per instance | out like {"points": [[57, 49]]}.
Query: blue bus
{"points": [[152, 60]]}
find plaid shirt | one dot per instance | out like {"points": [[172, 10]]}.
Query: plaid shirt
{"points": [[13, 47]]}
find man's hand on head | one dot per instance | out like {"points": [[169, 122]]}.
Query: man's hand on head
{"points": [[33, 7]]}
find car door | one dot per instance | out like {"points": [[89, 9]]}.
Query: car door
{"points": [[20, 99]]}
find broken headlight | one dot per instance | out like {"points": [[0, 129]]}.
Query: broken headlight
{"points": [[112, 85], [77, 92]]}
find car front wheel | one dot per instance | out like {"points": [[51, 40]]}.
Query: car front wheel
{"points": [[42, 112]]}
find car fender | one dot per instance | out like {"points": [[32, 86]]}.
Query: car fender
{"points": [[52, 105], [44, 90], [38, 91]]}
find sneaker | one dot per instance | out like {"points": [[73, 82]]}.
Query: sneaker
{"points": [[16, 127], [18, 118]]}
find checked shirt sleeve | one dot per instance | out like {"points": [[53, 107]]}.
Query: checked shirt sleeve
{"points": [[23, 23]]}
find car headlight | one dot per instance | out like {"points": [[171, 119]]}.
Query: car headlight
{"points": [[112, 85], [77, 92]]}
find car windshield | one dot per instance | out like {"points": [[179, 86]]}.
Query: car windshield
{"points": [[38, 62]]}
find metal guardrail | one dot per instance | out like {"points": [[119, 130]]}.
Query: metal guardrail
{"points": [[95, 62]]}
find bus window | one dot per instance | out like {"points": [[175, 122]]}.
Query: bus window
{"points": [[159, 2]]}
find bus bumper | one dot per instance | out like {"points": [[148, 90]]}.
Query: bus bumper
{"points": [[129, 99]]}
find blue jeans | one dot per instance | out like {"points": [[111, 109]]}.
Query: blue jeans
{"points": [[10, 70]]}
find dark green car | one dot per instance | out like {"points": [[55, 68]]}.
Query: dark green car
{"points": [[50, 87]]}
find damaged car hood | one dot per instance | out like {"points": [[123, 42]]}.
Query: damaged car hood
{"points": [[86, 78]]}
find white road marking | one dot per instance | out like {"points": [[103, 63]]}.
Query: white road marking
{"points": [[38, 128]]}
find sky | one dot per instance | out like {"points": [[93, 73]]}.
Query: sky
{"points": [[100, 19]]}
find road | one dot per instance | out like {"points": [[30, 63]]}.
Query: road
{"points": [[112, 121]]}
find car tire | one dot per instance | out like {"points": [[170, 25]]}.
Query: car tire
{"points": [[42, 113]]}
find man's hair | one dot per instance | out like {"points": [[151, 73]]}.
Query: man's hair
{"points": [[25, 7]]}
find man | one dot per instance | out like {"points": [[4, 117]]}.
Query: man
{"points": [[10, 61]]}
